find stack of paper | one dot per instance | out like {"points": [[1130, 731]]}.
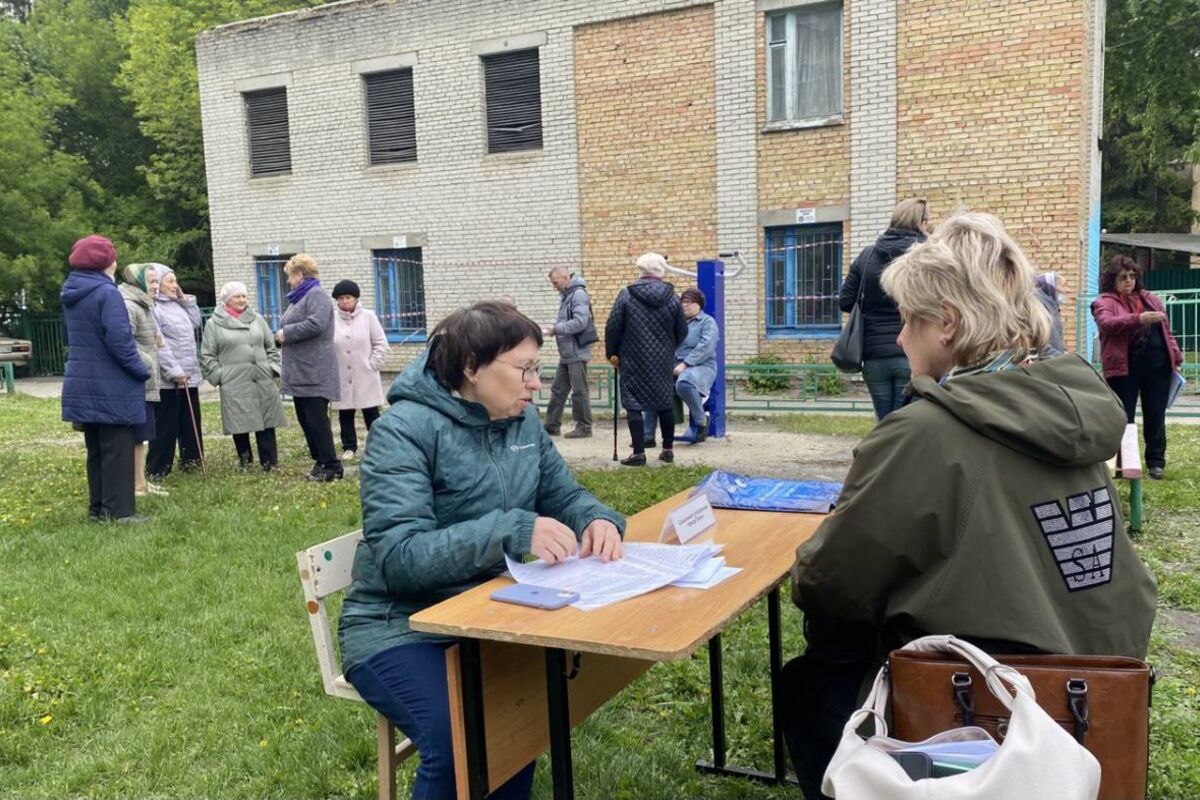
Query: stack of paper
{"points": [[644, 568]]}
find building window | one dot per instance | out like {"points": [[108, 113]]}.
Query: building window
{"points": [[804, 63], [804, 275], [391, 121], [513, 94], [267, 124], [400, 293], [272, 288]]}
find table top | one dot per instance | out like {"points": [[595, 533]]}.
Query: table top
{"points": [[668, 624]]}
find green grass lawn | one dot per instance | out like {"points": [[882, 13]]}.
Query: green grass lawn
{"points": [[173, 659]]}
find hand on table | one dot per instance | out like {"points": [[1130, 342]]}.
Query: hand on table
{"points": [[552, 541], [601, 538]]}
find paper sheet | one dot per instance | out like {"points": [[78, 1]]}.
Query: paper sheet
{"points": [[717, 577]]}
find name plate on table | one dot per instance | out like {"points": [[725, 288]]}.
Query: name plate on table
{"points": [[689, 520]]}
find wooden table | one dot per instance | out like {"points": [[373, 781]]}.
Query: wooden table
{"points": [[626, 638]]}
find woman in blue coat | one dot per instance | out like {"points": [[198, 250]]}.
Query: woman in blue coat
{"points": [[696, 360], [104, 384], [458, 473]]}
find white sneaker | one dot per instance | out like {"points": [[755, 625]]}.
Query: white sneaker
{"points": [[154, 488], [347, 455]]}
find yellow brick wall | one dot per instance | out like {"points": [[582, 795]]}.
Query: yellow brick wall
{"points": [[645, 103], [990, 116]]}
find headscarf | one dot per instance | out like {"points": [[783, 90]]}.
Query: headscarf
{"points": [[135, 274], [229, 290], [162, 270]]}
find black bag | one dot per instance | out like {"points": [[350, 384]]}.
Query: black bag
{"points": [[588, 336], [847, 353]]}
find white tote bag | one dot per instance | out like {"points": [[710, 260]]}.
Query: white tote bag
{"points": [[1038, 760]]}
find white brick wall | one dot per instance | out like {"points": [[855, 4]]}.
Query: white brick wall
{"points": [[872, 121]]}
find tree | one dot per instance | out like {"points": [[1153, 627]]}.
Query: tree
{"points": [[1151, 114]]}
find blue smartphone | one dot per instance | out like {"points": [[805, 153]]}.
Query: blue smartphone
{"points": [[525, 594]]}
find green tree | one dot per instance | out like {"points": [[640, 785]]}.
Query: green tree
{"points": [[1151, 114]]}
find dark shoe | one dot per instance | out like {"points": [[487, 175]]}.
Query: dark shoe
{"points": [[552, 431], [268, 467], [578, 434], [634, 460], [158, 478], [701, 434], [667, 456], [1156, 473], [650, 444], [246, 460]]}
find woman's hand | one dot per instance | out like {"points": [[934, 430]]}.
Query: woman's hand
{"points": [[1151, 317], [679, 368], [279, 337], [552, 541], [601, 538]]}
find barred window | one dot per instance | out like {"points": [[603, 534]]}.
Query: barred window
{"points": [[804, 276], [272, 287], [513, 96], [391, 120], [267, 126], [400, 293]]}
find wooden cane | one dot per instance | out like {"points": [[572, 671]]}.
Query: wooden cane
{"points": [[187, 394], [616, 393]]}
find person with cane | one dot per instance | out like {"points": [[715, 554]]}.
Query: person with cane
{"points": [[177, 417]]}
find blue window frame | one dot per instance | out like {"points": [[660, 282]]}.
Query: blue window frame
{"points": [[272, 288], [803, 277], [400, 293]]}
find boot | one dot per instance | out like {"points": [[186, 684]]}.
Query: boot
{"points": [[634, 460], [701, 434], [667, 456]]}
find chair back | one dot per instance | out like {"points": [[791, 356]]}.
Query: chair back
{"points": [[325, 570]]}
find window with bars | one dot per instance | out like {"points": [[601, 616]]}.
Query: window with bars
{"points": [[272, 288], [267, 127], [513, 97], [804, 275], [400, 293], [804, 63], [391, 120]]}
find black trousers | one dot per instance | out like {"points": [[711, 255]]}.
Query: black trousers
{"points": [[346, 423], [1152, 380], [174, 424], [268, 454], [637, 429], [109, 470], [313, 415]]}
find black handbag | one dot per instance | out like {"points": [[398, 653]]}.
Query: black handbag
{"points": [[588, 336], [847, 353]]}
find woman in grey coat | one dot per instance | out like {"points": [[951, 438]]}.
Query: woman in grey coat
{"points": [[139, 283], [310, 373], [178, 420], [238, 355]]}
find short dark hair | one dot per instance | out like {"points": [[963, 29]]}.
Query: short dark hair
{"points": [[472, 337], [694, 295], [1117, 265]]}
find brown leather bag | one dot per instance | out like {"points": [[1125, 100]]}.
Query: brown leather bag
{"points": [[1103, 701]]}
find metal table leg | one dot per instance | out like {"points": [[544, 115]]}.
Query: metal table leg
{"points": [[472, 684], [559, 707]]}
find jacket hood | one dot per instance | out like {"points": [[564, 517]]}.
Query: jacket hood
{"points": [[576, 282], [895, 241], [80, 283], [653, 293], [1058, 410], [348, 314], [417, 384], [137, 295]]}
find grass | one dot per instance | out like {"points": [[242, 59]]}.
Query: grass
{"points": [[173, 659]]}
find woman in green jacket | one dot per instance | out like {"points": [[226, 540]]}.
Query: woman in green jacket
{"points": [[458, 473], [238, 355]]}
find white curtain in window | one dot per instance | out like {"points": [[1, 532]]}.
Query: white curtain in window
{"points": [[818, 54]]}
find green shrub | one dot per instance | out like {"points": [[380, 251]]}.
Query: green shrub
{"points": [[766, 377]]}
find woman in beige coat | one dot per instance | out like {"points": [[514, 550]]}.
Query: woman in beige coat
{"points": [[139, 282], [361, 346]]}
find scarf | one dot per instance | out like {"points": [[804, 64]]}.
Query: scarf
{"points": [[233, 312], [304, 288]]}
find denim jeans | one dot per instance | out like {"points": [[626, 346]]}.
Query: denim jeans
{"points": [[407, 684], [886, 379]]}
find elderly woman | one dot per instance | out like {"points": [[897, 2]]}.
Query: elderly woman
{"points": [[645, 326], [178, 419], [310, 365], [361, 347], [238, 355], [457, 474], [1137, 352], [139, 283], [1010, 535]]}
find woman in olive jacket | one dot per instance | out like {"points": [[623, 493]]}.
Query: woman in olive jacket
{"points": [[139, 283]]}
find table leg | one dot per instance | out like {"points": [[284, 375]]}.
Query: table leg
{"points": [[775, 639], [716, 682], [472, 686], [559, 707]]}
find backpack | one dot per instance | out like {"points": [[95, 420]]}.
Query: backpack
{"points": [[588, 336]]}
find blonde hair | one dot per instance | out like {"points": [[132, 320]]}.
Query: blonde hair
{"points": [[303, 263], [973, 266], [910, 213]]}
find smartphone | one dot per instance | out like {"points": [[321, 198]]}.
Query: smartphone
{"points": [[917, 765], [526, 594]]}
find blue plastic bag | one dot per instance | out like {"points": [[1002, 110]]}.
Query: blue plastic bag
{"points": [[730, 490]]}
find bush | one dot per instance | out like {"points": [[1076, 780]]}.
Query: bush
{"points": [[766, 377]]}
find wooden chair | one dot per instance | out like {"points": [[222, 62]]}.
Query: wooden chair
{"points": [[1127, 464], [325, 570]]}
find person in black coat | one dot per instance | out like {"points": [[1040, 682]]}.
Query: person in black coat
{"points": [[645, 326], [885, 367]]}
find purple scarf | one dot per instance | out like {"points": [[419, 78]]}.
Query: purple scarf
{"points": [[296, 294]]}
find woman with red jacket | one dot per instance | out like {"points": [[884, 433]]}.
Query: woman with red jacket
{"points": [[1138, 352]]}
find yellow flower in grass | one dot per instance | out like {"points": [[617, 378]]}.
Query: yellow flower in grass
{"points": [[46, 720]]}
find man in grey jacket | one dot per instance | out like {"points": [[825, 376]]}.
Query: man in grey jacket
{"points": [[575, 332]]}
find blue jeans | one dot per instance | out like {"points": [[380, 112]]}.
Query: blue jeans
{"points": [[407, 684], [690, 396], [886, 379]]}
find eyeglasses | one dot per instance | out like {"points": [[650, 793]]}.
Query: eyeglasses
{"points": [[528, 371]]}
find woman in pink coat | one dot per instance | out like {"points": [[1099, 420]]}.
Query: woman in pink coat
{"points": [[361, 346], [1138, 353]]}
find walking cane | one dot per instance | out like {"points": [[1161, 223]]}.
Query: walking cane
{"points": [[616, 393], [187, 394]]}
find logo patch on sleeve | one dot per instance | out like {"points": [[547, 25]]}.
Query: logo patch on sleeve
{"points": [[1080, 538]]}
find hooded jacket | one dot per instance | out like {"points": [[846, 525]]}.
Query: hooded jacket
{"points": [[104, 381], [574, 317], [645, 326], [145, 333], [881, 318], [178, 320], [446, 493], [987, 511], [239, 357]]}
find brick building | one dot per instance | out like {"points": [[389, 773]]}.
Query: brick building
{"points": [[443, 151]]}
